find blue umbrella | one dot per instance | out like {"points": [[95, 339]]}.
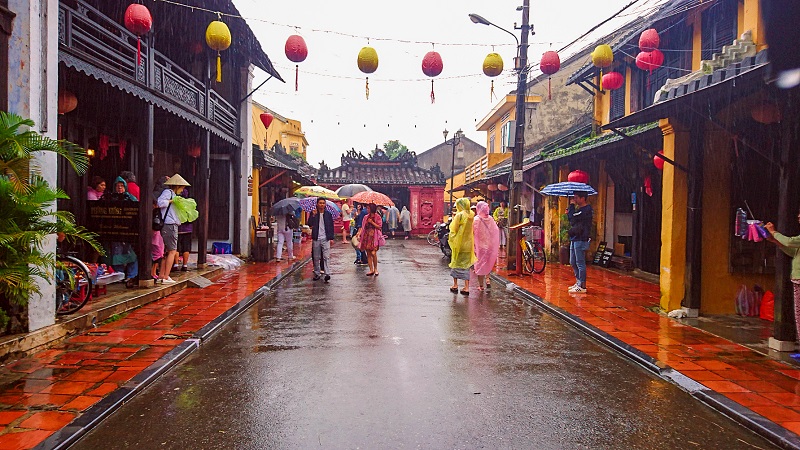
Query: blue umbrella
{"points": [[309, 204], [567, 189]]}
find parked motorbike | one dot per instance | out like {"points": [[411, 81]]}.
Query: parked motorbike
{"points": [[443, 232]]}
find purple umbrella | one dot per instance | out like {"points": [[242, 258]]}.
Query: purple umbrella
{"points": [[309, 204]]}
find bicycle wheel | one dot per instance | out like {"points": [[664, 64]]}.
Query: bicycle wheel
{"points": [[539, 259], [527, 256], [73, 285], [432, 238]]}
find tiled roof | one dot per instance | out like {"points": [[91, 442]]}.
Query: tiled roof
{"points": [[379, 170], [597, 142]]}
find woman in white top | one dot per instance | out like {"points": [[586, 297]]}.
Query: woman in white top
{"points": [[345, 222], [285, 230], [169, 232]]}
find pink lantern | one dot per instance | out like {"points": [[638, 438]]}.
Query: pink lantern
{"points": [[613, 81], [649, 40], [549, 65], [297, 52], [578, 176], [659, 161], [432, 66]]}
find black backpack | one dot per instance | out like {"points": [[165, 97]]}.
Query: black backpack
{"points": [[291, 221]]}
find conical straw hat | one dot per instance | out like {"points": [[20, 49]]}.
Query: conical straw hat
{"points": [[176, 180]]}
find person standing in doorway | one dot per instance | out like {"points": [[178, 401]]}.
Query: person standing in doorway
{"points": [[174, 186], [501, 218], [580, 217], [322, 237]]}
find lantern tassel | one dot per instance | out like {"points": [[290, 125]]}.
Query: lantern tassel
{"points": [[296, 76], [549, 91], [367, 88], [138, 51], [601, 80], [219, 69], [491, 93], [433, 96]]}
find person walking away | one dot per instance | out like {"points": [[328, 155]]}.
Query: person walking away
{"points": [[286, 224], [96, 188], [173, 186], [371, 238], [157, 253], [580, 215], [130, 178], [461, 243], [185, 238], [791, 247], [345, 222], [322, 237], [486, 235], [501, 217], [123, 257], [405, 221], [361, 256], [393, 215]]}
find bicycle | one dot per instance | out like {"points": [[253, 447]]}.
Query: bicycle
{"points": [[73, 282], [534, 259], [433, 237]]}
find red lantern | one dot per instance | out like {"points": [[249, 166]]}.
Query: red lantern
{"points": [[578, 176], [502, 187], [297, 51], [549, 65], [766, 113], [266, 119], [649, 40], [491, 187], [139, 22], [658, 161], [196, 48], [432, 66], [650, 61], [67, 102], [613, 81]]}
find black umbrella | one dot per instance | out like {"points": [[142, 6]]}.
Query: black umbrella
{"points": [[349, 190], [285, 206]]}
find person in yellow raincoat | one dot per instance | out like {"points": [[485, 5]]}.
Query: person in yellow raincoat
{"points": [[461, 242]]}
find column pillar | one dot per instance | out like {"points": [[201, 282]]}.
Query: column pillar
{"points": [[694, 221], [202, 200], [673, 216], [145, 178], [413, 193]]}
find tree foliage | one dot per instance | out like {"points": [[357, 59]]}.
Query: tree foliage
{"points": [[394, 149]]}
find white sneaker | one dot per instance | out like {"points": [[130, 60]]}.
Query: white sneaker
{"points": [[569, 289], [577, 290], [167, 280]]}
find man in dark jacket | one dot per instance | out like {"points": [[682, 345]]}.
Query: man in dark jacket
{"points": [[580, 220], [322, 237]]}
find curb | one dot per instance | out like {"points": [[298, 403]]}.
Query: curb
{"points": [[756, 423], [72, 432]]}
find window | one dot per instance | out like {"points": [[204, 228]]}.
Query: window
{"points": [[491, 144], [503, 139], [460, 150], [617, 108], [719, 26]]}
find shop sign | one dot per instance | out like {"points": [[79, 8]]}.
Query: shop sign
{"points": [[114, 221], [250, 186]]}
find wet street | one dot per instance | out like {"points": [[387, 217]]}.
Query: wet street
{"points": [[397, 361]]}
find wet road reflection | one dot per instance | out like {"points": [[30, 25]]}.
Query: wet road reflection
{"points": [[398, 361]]}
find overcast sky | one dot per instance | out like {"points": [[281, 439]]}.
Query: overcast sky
{"points": [[331, 101]]}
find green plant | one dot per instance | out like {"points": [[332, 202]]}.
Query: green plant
{"points": [[563, 231], [28, 216]]}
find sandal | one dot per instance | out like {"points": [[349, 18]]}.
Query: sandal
{"points": [[463, 292], [370, 274], [454, 290]]}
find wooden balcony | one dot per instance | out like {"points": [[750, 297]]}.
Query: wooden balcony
{"points": [[477, 170], [102, 48]]}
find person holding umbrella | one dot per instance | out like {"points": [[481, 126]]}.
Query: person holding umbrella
{"points": [[322, 236], [580, 217]]}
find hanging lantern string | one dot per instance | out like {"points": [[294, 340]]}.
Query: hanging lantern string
{"points": [[367, 87], [338, 33], [433, 96]]}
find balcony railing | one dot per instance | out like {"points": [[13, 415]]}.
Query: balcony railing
{"points": [[477, 170], [104, 43]]}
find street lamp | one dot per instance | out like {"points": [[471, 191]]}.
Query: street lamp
{"points": [[515, 185], [455, 141]]}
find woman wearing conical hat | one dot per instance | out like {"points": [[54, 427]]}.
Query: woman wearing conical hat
{"points": [[174, 185]]}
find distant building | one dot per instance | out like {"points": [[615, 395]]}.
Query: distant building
{"points": [[286, 132], [467, 152]]}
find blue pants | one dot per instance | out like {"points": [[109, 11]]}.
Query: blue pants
{"points": [[360, 256], [131, 270], [577, 259]]}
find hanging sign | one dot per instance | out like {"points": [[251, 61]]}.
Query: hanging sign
{"points": [[114, 221]]}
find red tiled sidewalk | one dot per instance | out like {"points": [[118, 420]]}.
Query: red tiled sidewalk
{"points": [[42, 393], [620, 305]]}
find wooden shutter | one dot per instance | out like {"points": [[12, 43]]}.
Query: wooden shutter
{"points": [[719, 25]]}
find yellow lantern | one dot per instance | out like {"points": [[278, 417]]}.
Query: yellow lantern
{"points": [[602, 57], [367, 63], [218, 37], [492, 67]]}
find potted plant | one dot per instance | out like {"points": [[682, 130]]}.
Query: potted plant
{"points": [[28, 216], [563, 240]]}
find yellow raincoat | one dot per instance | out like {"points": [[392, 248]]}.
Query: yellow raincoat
{"points": [[461, 240]]}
